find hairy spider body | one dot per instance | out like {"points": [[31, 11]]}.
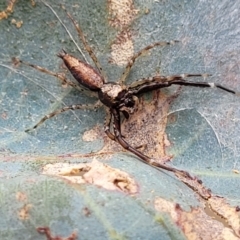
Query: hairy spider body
{"points": [[124, 97], [112, 95], [117, 97]]}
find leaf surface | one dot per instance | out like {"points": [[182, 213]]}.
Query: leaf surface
{"points": [[199, 127]]}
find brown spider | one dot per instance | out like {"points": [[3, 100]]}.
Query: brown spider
{"points": [[119, 98]]}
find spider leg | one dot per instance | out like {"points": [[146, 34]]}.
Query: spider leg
{"points": [[107, 123], [145, 159], [71, 107], [153, 83], [59, 76], [87, 47], [138, 54], [64, 26]]}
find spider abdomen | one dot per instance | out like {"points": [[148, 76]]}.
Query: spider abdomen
{"points": [[84, 73]]}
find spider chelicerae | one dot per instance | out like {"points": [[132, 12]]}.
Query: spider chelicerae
{"points": [[119, 99]]}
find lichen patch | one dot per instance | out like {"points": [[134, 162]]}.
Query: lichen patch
{"points": [[121, 15], [122, 48]]}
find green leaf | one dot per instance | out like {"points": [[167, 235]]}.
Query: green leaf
{"points": [[202, 128]]}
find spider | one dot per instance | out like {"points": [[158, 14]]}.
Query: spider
{"points": [[119, 99]]}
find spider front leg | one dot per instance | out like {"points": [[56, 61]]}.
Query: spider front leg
{"points": [[157, 82], [81, 36], [86, 45], [72, 107], [145, 159]]}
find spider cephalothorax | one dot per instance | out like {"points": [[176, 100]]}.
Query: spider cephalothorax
{"points": [[117, 96]]}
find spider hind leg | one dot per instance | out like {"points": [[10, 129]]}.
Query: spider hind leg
{"points": [[117, 136]]}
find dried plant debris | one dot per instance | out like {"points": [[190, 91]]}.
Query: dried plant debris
{"points": [[9, 9], [48, 234], [196, 224], [18, 24], [195, 184], [95, 173], [230, 214], [217, 204]]}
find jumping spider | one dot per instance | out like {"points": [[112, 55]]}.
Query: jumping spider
{"points": [[119, 98]]}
